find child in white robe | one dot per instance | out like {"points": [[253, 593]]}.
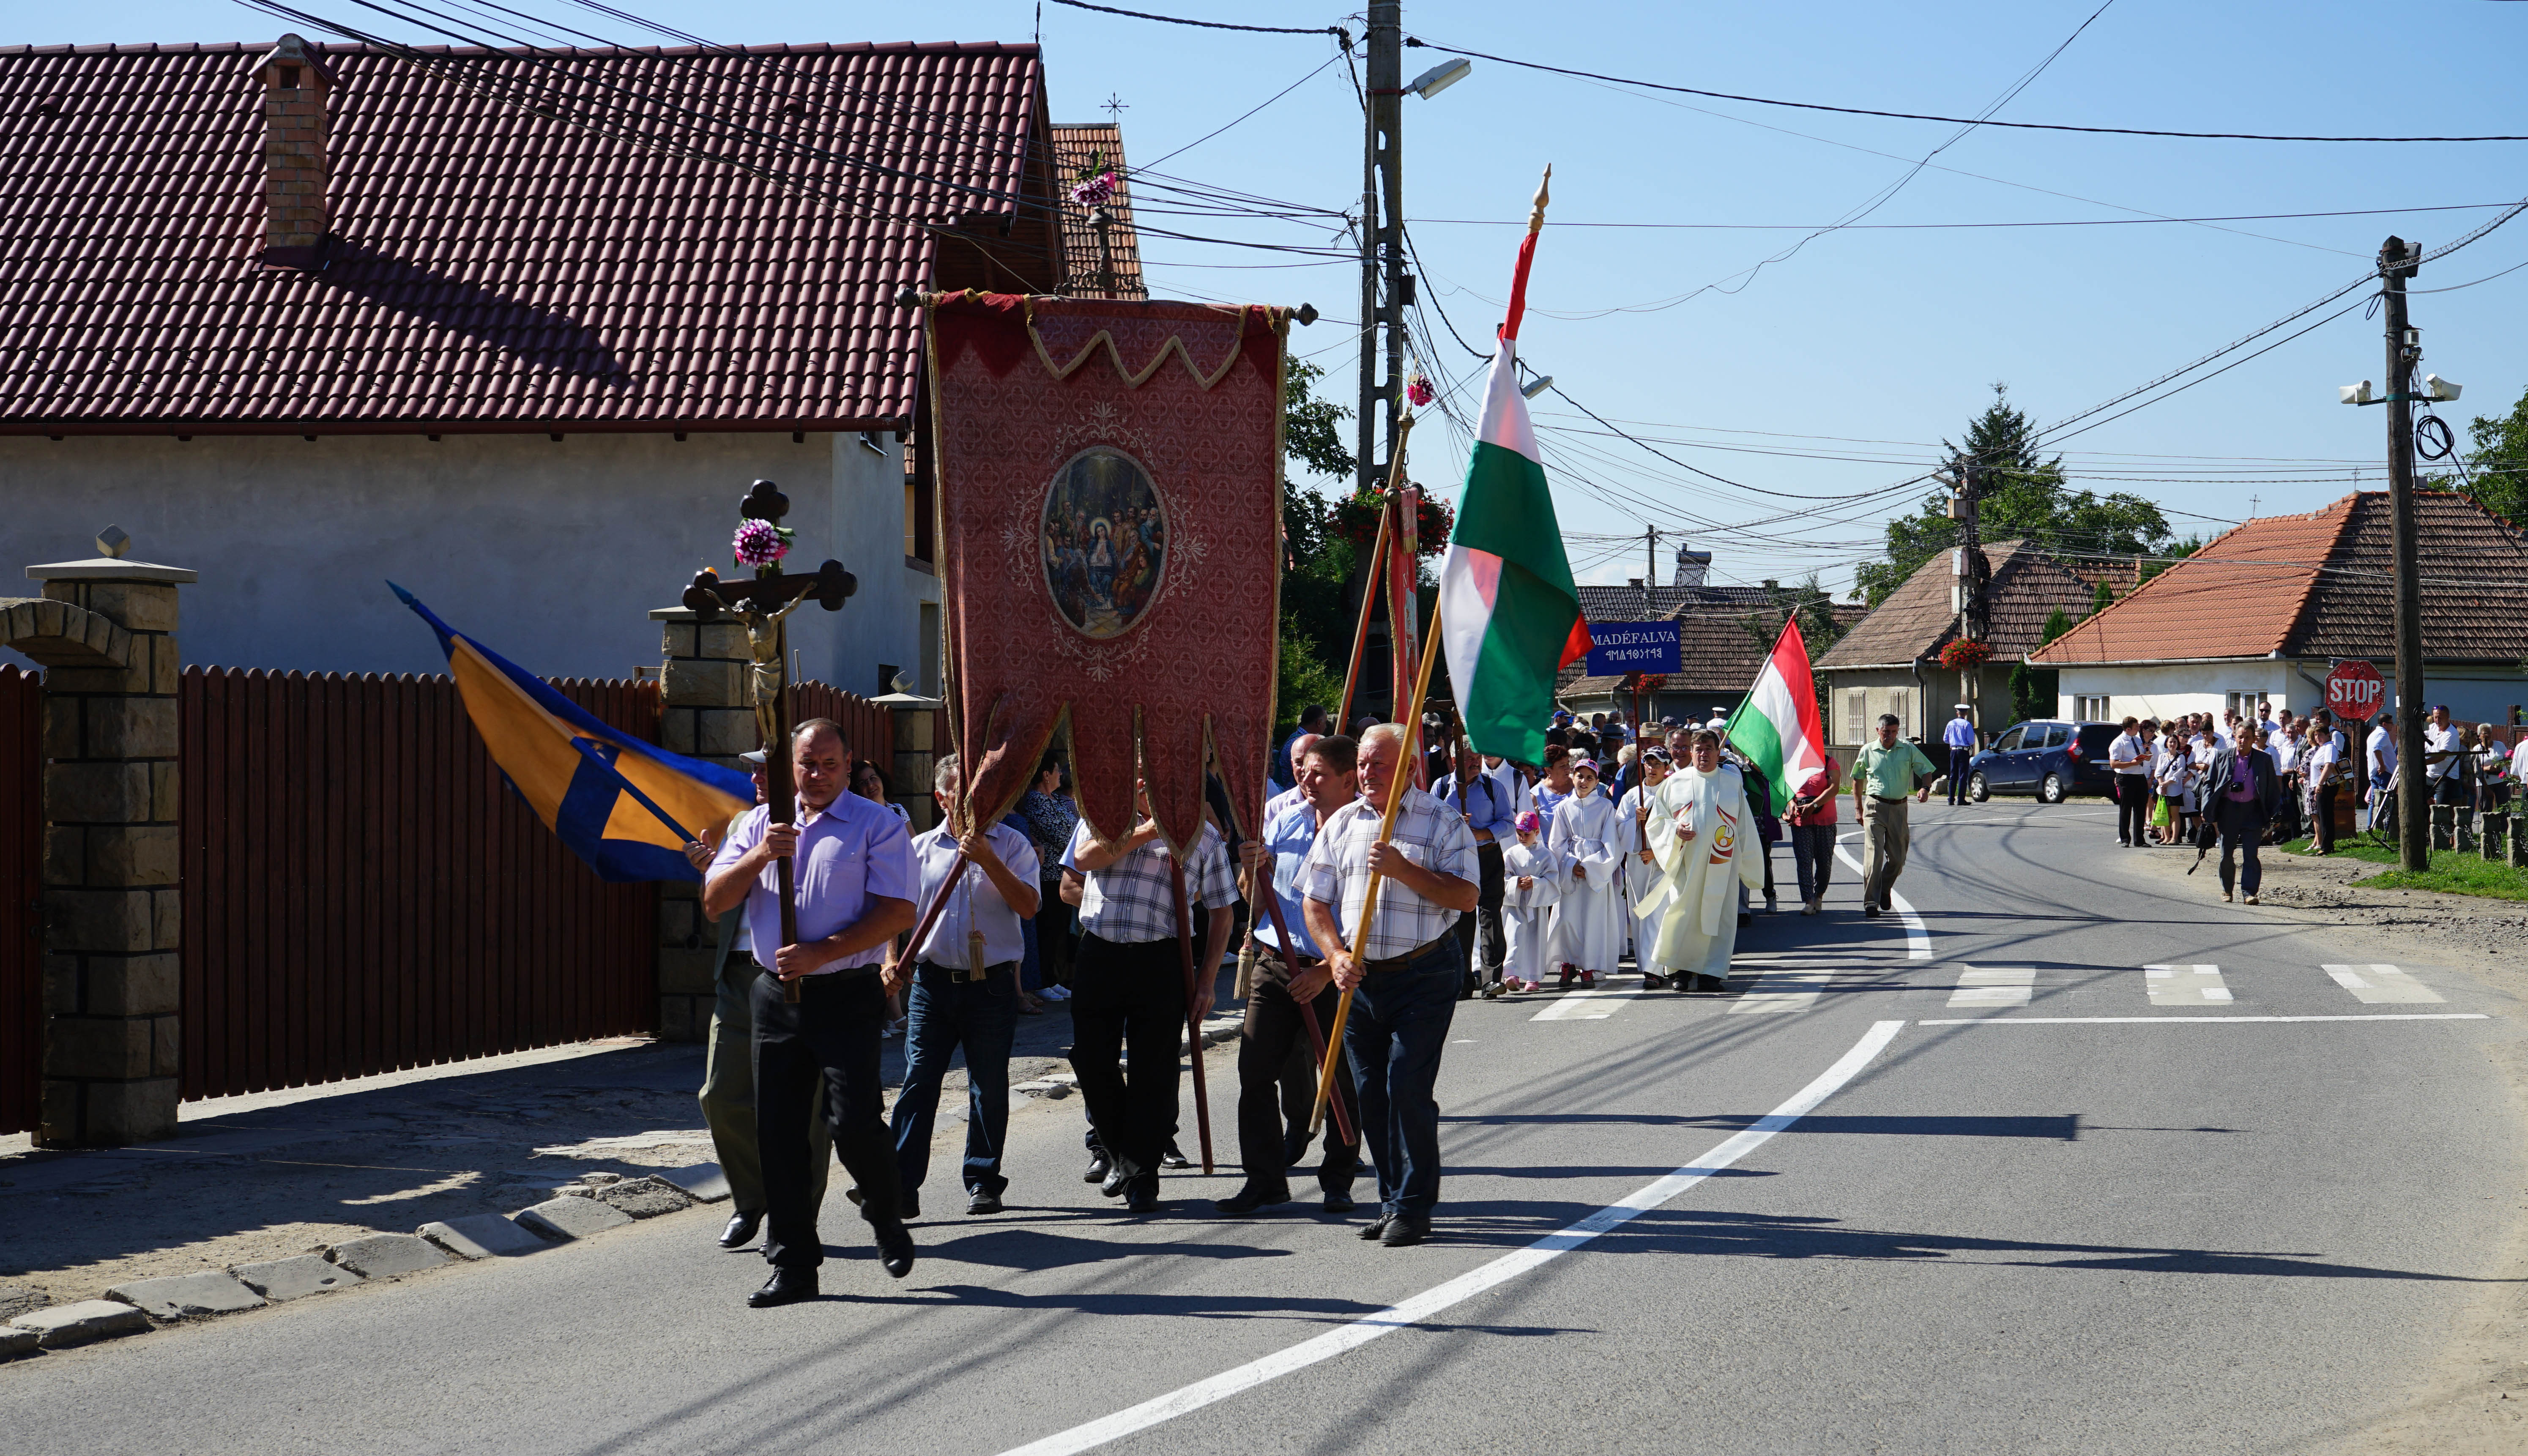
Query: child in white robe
{"points": [[1531, 885]]}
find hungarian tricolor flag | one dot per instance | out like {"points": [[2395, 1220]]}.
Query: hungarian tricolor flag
{"points": [[1509, 616], [1777, 727]]}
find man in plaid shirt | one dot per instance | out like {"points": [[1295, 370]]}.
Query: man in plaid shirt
{"points": [[1407, 969], [1128, 991]]}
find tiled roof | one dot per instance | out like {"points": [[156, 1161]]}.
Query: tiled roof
{"points": [[1112, 270], [1916, 619], [2321, 586], [579, 239], [1655, 604], [1717, 650]]}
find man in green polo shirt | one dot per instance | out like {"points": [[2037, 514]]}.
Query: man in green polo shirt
{"points": [[1883, 774]]}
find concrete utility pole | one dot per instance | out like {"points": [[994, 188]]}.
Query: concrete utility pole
{"points": [[1974, 620], [2399, 260], [1649, 559], [1382, 244]]}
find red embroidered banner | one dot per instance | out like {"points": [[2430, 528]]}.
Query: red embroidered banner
{"points": [[1109, 507]]}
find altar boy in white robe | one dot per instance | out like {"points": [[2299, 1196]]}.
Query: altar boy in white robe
{"points": [[1530, 886], [1707, 853], [1589, 926], [1640, 821]]}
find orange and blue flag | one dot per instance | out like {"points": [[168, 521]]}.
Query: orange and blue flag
{"points": [[625, 807]]}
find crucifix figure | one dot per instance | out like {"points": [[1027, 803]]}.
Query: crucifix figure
{"points": [[764, 604]]}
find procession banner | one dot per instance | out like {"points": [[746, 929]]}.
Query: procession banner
{"points": [[1109, 526], [623, 805]]}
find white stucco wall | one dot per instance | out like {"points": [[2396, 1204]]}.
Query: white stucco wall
{"points": [[550, 553], [2162, 690]]}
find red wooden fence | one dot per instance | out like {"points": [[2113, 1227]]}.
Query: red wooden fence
{"points": [[365, 893], [21, 945], [868, 726]]}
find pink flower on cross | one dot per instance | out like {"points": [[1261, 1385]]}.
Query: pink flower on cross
{"points": [[1093, 191], [1417, 390], [759, 544]]}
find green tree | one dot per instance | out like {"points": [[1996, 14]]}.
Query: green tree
{"points": [[1316, 630], [1812, 607], [2024, 496], [2101, 598], [2497, 468]]}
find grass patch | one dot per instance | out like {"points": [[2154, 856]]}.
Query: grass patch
{"points": [[2451, 872]]}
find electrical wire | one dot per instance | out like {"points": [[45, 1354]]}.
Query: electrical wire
{"points": [[2250, 216], [1169, 19], [1910, 116]]}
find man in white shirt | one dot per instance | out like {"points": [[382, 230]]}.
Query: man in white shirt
{"points": [[2326, 775], [964, 990], [1407, 972], [2445, 759], [2519, 762], [2128, 758], [2381, 760]]}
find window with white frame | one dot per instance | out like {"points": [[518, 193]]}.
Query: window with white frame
{"points": [[1856, 711], [2092, 708]]}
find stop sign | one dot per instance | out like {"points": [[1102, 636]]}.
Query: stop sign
{"points": [[2354, 690]]}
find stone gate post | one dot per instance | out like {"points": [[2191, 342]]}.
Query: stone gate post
{"points": [[706, 711]]}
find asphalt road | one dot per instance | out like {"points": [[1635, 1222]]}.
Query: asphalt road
{"points": [[2119, 1213]]}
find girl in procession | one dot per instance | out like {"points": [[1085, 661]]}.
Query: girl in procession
{"points": [[1639, 821], [1530, 886], [1588, 926]]}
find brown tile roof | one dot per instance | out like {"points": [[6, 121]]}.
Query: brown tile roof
{"points": [[2320, 585], [1717, 651], [493, 265], [1916, 620], [1112, 270]]}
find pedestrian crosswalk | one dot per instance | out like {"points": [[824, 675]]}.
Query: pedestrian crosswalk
{"points": [[1790, 984]]}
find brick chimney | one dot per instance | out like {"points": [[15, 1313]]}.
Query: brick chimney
{"points": [[294, 84]]}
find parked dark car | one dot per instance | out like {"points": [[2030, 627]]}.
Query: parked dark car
{"points": [[2047, 758]]}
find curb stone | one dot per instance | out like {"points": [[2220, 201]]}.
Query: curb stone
{"points": [[300, 1275], [14, 1342], [573, 1218], [213, 1291], [483, 1236], [67, 1325], [381, 1255], [704, 1181]]}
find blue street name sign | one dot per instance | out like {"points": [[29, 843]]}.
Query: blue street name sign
{"points": [[1632, 647]]}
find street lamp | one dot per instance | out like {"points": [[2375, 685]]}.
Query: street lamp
{"points": [[1440, 77]]}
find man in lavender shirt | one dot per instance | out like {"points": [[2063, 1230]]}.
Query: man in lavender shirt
{"points": [[853, 878]]}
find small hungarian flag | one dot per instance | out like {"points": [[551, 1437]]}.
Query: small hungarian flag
{"points": [[1777, 727], [1509, 615]]}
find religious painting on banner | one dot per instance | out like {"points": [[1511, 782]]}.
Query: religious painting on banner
{"points": [[1109, 507]]}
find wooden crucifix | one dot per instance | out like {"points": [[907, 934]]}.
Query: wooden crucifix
{"points": [[764, 603]]}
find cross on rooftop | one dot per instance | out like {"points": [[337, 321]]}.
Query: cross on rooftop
{"points": [[1114, 108]]}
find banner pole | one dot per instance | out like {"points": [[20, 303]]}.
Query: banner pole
{"points": [[1193, 1005], [1412, 725]]}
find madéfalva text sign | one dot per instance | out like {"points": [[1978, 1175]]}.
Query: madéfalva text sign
{"points": [[1617, 647]]}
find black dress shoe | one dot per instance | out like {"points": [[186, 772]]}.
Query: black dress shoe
{"points": [[786, 1286], [1174, 1157], [1375, 1228], [982, 1202], [1338, 1201], [1249, 1199], [1100, 1163], [741, 1229], [1401, 1231], [1143, 1197], [908, 1204], [1117, 1178], [894, 1247]]}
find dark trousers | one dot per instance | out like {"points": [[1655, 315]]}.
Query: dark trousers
{"points": [[1128, 1023], [943, 1015], [833, 1032], [1397, 1029], [2240, 829], [2132, 809], [1053, 937], [2327, 794], [1957, 757], [1275, 1040], [1486, 919], [1812, 850]]}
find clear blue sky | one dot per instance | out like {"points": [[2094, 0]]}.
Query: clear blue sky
{"points": [[1838, 370]]}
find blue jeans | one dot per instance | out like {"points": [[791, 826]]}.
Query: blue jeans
{"points": [[1030, 964], [941, 1017], [1398, 1026]]}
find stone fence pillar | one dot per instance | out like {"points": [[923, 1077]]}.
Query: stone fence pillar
{"points": [[704, 712], [104, 631], [915, 720]]}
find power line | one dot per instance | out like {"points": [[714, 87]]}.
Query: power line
{"points": [[2251, 217], [1910, 116], [1171, 20]]}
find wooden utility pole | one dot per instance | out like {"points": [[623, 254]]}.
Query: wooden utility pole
{"points": [[2399, 260]]}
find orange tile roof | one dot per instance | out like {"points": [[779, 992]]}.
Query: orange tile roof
{"points": [[2026, 584], [2320, 585], [1100, 268]]}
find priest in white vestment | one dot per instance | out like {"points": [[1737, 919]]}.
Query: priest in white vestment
{"points": [[1707, 852]]}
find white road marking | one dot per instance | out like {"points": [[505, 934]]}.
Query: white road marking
{"points": [[1996, 987], [2201, 1020], [1918, 938], [1596, 1003], [1431, 1302], [2186, 985], [2372, 984], [1783, 988]]}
